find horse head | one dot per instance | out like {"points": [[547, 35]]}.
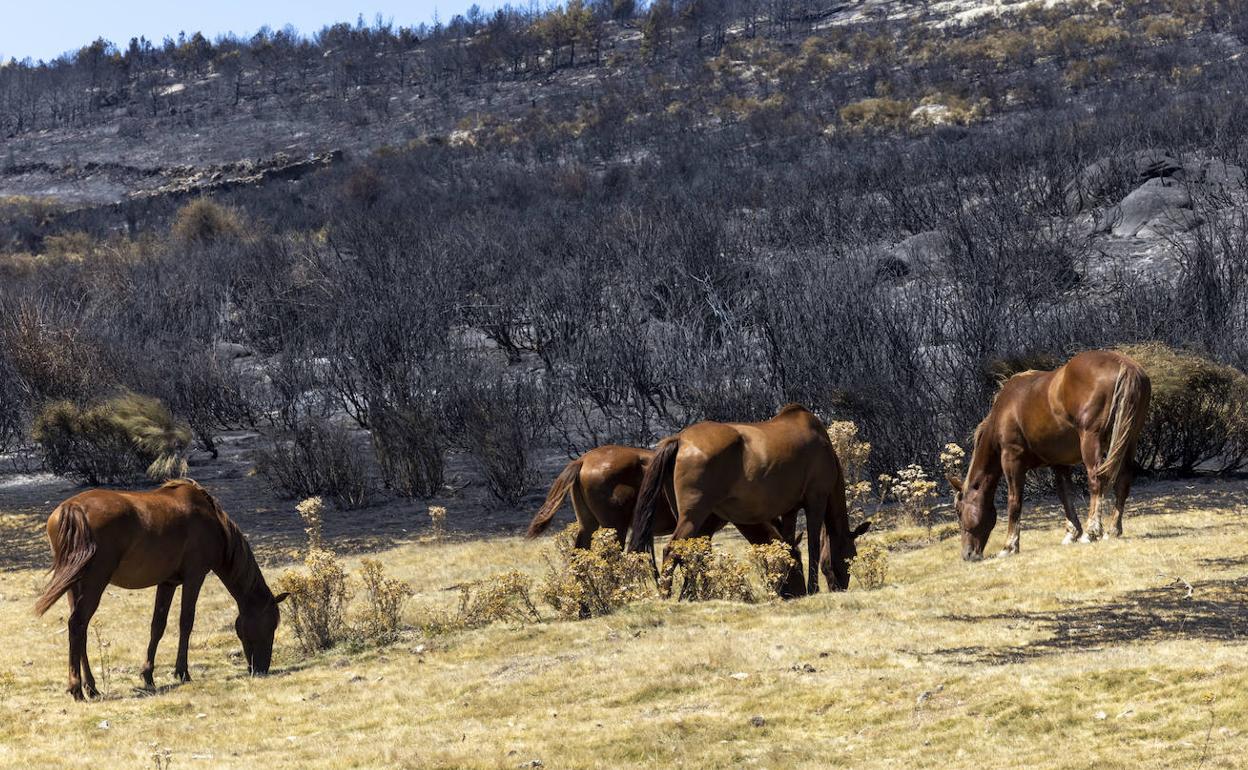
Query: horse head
{"points": [[837, 571], [256, 626], [977, 515]]}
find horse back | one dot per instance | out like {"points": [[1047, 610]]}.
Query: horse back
{"points": [[146, 538], [763, 464], [1085, 389]]}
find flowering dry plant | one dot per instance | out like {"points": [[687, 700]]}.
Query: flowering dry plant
{"points": [[853, 455]]}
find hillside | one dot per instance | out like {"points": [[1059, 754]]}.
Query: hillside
{"points": [[510, 239]]}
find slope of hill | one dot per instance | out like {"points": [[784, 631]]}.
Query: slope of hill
{"points": [[546, 232]]}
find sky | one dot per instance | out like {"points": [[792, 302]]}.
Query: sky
{"points": [[44, 29]]}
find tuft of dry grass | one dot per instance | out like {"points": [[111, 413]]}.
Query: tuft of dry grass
{"points": [[595, 581], [870, 567], [119, 439], [949, 665]]}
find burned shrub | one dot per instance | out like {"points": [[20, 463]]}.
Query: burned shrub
{"points": [[500, 420], [317, 458]]}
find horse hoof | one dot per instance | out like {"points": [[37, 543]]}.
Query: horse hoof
{"points": [[183, 676], [76, 692], [1006, 553], [1071, 538]]}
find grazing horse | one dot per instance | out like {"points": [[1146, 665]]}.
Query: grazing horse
{"points": [[750, 474], [1089, 410], [174, 535], [603, 483]]}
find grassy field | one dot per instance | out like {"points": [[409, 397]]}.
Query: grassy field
{"points": [[1063, 657]]}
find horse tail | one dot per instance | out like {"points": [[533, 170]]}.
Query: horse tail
{"points": [[836, 521], [1127, 410], [657, 475], [72, 551], [554, 499]]}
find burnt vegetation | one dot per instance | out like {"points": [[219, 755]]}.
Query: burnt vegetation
{"points": [[697, 210]]}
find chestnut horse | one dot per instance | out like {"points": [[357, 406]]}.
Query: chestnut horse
{"points": [[603, 483], [750, 474], [174, 535], [1089, 410]]}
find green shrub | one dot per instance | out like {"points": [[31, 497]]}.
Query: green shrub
{"points": [[1199, 412], [121, 439]]}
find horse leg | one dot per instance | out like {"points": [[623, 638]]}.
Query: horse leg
{"points": [[816, 519], [1061, 475], [160, 615], [1015, 477], [585, 518], [190, 594], [1122, 488], [84, 598], [793, 587], [1090, 448], [686, 526]]}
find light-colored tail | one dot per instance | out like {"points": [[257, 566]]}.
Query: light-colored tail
{"points": [[554, 499], [1128, 409], [71, 555]]}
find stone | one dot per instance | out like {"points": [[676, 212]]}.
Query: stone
{"points": [[1159, 206]]}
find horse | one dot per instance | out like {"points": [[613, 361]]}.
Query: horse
{"points": [[1089, 410], [750, 474], [603, 483], [173, 535]]}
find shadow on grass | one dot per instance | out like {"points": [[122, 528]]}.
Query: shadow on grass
{"points": [[1213, 610], [24, 542]]}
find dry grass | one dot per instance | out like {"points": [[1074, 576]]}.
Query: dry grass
{"points": [[1061, 657]]}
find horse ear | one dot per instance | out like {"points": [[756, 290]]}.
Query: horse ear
{"points": [[954, 482], [862, 528], [281, 597]]}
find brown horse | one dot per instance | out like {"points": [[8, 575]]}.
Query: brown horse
{"points": [[751, 474], [174, 535], [1089, 410], [604, 482]]}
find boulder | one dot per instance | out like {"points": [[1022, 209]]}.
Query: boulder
{"points": [[1091, 184], [231, 351], [918, 252], [1218, 175], [1160, 206]]}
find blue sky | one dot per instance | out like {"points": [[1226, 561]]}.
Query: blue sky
{"points": [[43, 29]]}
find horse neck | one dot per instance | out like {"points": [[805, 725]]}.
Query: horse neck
{"points": [[985, 468], [239, 571]]}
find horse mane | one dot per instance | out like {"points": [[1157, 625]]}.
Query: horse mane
{"points": [[239, 571], [791, 408]]}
